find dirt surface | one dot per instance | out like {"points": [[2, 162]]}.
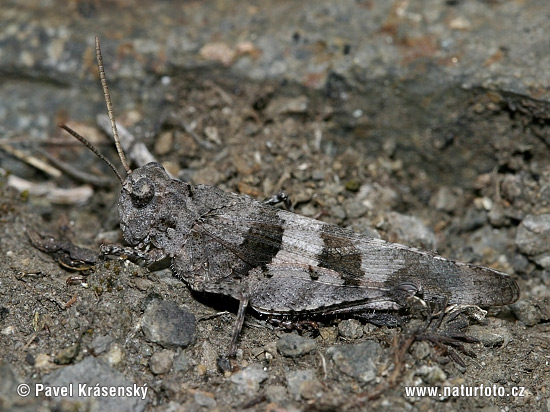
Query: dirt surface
{"points": [[460, 168]]}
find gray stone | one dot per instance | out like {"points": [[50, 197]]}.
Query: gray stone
{"points": [[168, 324], [542, 259], [181, 363], [100, 344], [511, 186], [410, 230], [374, 196], [312, 389], [319, 175], [489, 336], [205, 399], [446, 199], [276, 393], [10, 400], [171, 386], [115, 355], [350, 328], [364, 226], [294, 380], [294, 346], [338, 212], [497, 216], [94, 373], [161, 362], [520, 263], [420, 349], [431, 375], [355, 208], [249, 379], [488, 240], [357, 361], [8, 380], [533, 235], [544, 193], [473, 219], [529, 312]]}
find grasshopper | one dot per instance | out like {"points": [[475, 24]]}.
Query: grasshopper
{"points": [[275, 261]]}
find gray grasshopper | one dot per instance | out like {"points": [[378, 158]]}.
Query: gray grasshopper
{"points": [[278, 262]]}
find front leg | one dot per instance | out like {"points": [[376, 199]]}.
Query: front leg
{"points": [[148, 257]]}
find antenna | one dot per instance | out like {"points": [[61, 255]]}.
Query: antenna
{"points": [[109, 107], [91, 147]]}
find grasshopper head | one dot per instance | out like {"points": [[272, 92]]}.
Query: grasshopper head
{"points": [[152, 207]]}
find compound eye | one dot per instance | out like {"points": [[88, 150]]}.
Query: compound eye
{"points": [[142, 192]]}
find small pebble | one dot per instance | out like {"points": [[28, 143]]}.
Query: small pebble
{"points": [[533, 234], [294, 380], [311, 389], [357, 361], [161, 362], [168, 324], [489, 336], [181, 363], [511, 186], [527, 312], [445, 199], [431, 374], [350, 328], [328, 334], [100, 344], [249, 379], [276, 393], [205, 399], [115, 355], [410, 230], [420, 350], [294, 346], [354, 208]]}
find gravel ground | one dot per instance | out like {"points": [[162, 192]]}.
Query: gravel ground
{"points": [[424, 123]]}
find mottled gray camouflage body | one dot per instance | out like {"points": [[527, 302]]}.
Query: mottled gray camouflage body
{"points": [[284, 263]]}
